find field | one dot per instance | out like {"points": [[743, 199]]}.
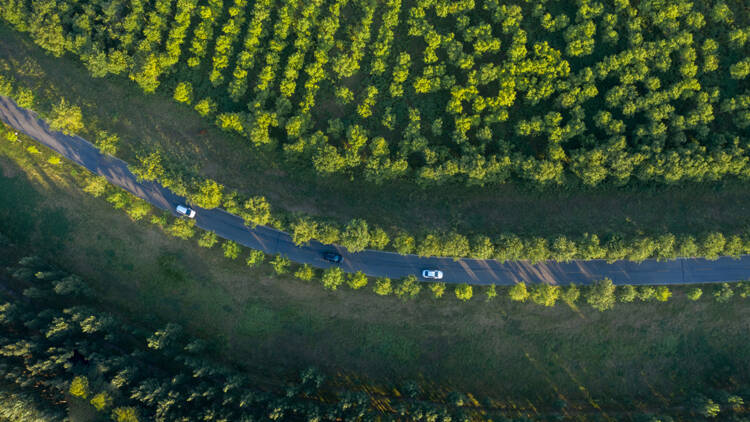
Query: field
{"points": [[273, 326]]}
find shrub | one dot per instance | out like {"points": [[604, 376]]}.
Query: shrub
{"points": [[304, 230], [545, 294], [383, 286], [404, 244], [138, 209], [209, 195], [79, 387], [491, 292], [463, 292], [328, 234], [54, 160], [646, 293], [482, 247], [125, 414], [663, 294], [96, 186], [101, 401], [107, 142], [183, 92], [408, 289], [694, 293], [332, 278], [206, 107], [438, 289], [66, 118], [628, 293], [723, 293], [744, 289], [255, 258], [356, 236], [601, 295], [231, 249], [571, 294], [518, 292], [305, 273], [208, 239], [379, 238], [357, 280], [280, 264], [182, 228]]}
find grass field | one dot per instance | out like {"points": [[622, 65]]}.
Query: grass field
{"points": [[637, 356], [148, 122]]}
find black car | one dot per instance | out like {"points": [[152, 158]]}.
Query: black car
{"points": [[333, 257]]}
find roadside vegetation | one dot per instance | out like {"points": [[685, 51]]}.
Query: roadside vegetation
{"points": [[275, 326]]}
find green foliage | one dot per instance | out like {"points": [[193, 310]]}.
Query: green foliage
{"points": [[208, 239], [383, 286], [601, 295], [206, 107], [125, 414], [333, 277], [138, 209], [463, 292], [79, 387], [101, 401], [96, 186], [255, 258], [209, 195], [379, 238], [570, 294], [66, 118], [437, 289], [183, 93], [663, 294], [490, 292], [357, 280], [182, 228], [107, 142], [304, 230], [281, 264], [231, 249], [305, 273], [545, 294], [694, 293], [723, 293], [404, 244], [356, 236], [628, 293], [646, 293], [518, 293], [409, 288]]}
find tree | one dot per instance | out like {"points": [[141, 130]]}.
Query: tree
{"points": [[205, 107], [518, 292], [258, 212], [628, 293], [231, 249], [209, 195], [646, 293], [357, 280], [96, 186], [79, 387], [107, 142], [409, 288], [255, 258], [280, 264], [101, 401], [303, 230], [438, 289], [601, 295], [723, 293], [183, 93], [383, 286], [404, 244], [571, 294], [545, 294], [491, 292], [356, 236], [663, 294], [208, 239], [332, 278], [125, 414], [66, 118], [694, 293], [305, 273], [482, 247], [463, 292], [379, 239], [182, 228]]}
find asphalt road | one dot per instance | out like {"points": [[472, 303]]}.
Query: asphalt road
{"points": [[376, 263]]}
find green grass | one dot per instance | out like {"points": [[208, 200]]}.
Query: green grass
{"points": [[635, 356], [148, 122]]}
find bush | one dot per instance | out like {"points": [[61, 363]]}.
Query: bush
{"points": [[304, 230], [663, 294], [723, 293], [404, 244], [438, 289], [305, 273], [408, 289], [209, 195], [646, 293], [231, 249], [208, 240], [491, 292], [357, 280], [744, 289], [463, 292], [107, 142], [356, 236], [379, 239], [281, 264], [601, 295], [332, 278], [182, 228], [101, 401], [518, 292], [545, 294], [482, 247], [66, 118], [571, 294], [96, 186], [79, 387], [255, 258], [183, 92], [138, 209], [383, 286], [694, 293], [206, 107], [628, 293]]}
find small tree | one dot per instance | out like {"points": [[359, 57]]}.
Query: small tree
{"points": [[744, 289], [601, 295], [438, 289], [66, 118], [96, 186], [357, 280], [107, 142], [182, 228], [280, 264], [408, 289], [379, 239], [101, 401], [545, 294], [332, 278], [694, 293], [209, 194], [255, 258], [208, 240], [303, 230], [663, 294], [491, 292], [125, 414], [628, 293], [231, 249], [183, 92], [305, 273], [571, 294], [356, 236], [518, 293], [646, 293], [383, 286], [404, 244], [79, 387], [206, 107], [328, 234], [723, 293], [463, 292]]}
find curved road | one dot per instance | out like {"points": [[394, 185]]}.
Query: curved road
{"points": [[376, 263]]}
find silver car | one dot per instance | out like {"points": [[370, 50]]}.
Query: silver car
{"points": [[432, 274], [187, 212]]}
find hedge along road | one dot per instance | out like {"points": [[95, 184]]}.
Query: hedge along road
{"points": [[375, 263]]}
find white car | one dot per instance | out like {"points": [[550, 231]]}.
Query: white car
{"points": [[432, 274], [187, 212]]}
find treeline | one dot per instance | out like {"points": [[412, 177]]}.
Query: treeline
{"points": [[583, 94]]}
